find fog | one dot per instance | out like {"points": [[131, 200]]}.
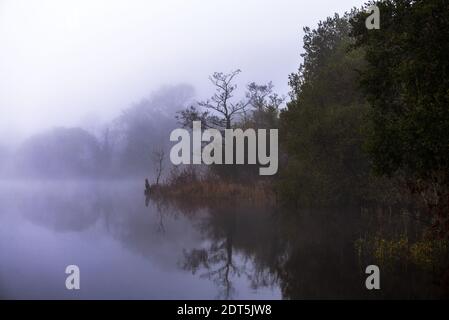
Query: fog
{"points": [[324, 166], [80, 64]]}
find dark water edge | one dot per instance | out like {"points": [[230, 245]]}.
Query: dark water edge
{"points": [[129, 250]]}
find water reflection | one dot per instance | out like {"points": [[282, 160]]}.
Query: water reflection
{"points": [[307, 254], [217, 259], [129, 246]]}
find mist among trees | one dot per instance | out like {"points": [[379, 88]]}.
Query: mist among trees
{"points": [[122, 148], [364, 133]]}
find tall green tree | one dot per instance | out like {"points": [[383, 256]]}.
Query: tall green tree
{"points": [[407, 85], [321, 128]]}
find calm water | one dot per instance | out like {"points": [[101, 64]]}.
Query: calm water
{"points": [[126, 248]]}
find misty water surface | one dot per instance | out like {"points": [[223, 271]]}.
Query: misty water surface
{"points": [[123, 248], [127, 248]]}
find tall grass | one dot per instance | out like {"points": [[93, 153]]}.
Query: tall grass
{"points": [[189, 185]]}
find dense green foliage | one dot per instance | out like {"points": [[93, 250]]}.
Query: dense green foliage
{"points": [[383, 91], [322, 127], [407, 85], [368, 111]]}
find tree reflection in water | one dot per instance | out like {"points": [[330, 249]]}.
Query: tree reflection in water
{"points": [[309, 254], [217, 259], [304, 254], [231, 234]]}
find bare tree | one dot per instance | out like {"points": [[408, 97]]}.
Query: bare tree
{"points": [[262, 97], [258, 94], [221, 100], [187, 116], [220, 109], [158, 159], [266, 104]]}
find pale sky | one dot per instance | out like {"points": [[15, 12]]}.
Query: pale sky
{"points": [[67, 62]]}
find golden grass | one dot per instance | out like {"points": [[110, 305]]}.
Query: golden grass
{"points": [[216, 190]]}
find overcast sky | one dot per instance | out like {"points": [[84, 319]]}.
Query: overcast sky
{"points": [[71, 62]]}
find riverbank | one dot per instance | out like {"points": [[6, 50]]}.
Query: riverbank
{"points": [[208, 190]]}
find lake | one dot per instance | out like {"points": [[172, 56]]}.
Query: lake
{"points": [[130, 248]]}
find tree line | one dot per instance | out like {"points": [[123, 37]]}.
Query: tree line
{"points": [[368, 116]]}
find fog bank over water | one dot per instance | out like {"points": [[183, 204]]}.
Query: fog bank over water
{"points": [[122, 147], [79, 63], [257, 149]]}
